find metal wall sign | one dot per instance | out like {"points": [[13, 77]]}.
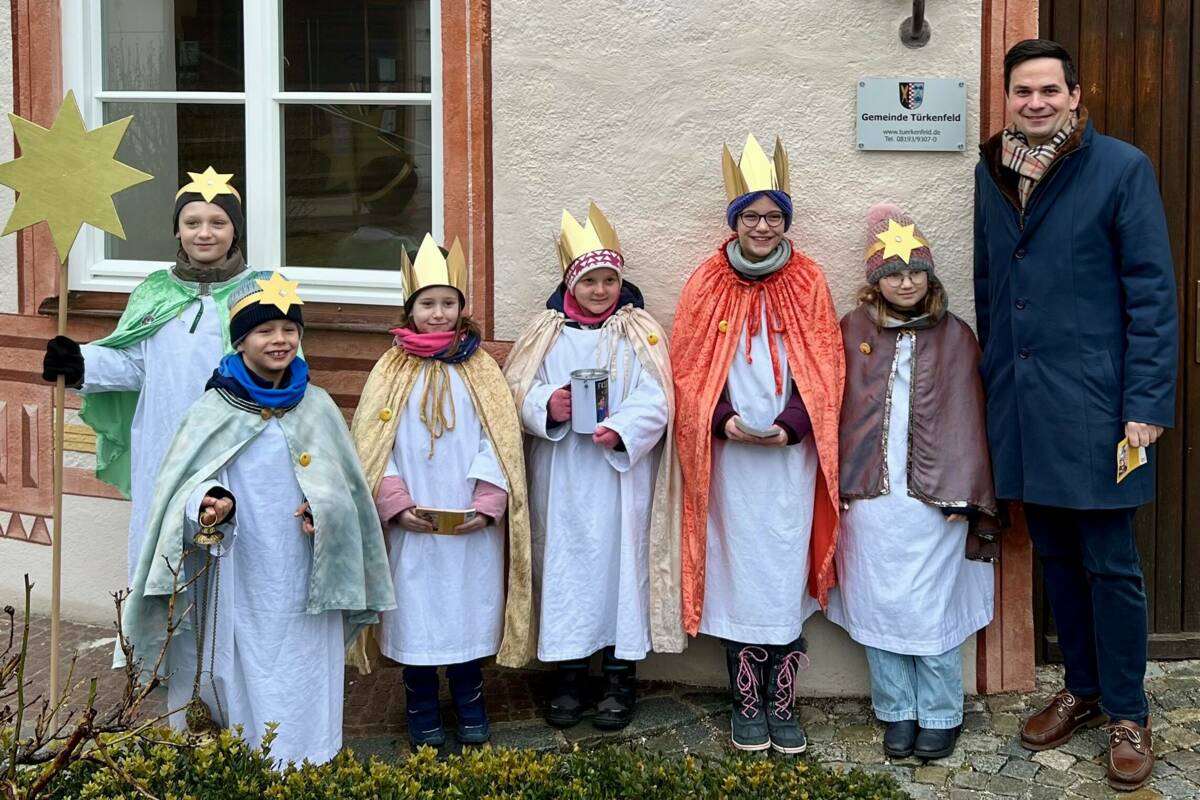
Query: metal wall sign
{"points": [[912, 114]]}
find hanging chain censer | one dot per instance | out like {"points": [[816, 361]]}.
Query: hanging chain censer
{"points": [[198, 715]]}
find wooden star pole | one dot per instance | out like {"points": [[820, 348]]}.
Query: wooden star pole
{"points": [[65, 176]]}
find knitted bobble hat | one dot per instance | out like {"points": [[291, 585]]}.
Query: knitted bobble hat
{"points": [[251, 304], [889, 239]]}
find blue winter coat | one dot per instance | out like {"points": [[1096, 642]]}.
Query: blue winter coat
{"points": [[1077, 318]]}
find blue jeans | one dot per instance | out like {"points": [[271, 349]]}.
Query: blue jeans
{"points": [[928, 689], [1093, 580]]}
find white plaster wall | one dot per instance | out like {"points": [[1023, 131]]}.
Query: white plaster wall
{"points": [[93, 562], [629, 103], [8, 244]]}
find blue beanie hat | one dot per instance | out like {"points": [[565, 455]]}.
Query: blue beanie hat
{"points": [[781, 199]]}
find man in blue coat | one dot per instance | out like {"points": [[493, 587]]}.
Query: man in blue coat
{"points": [[1076, 306]]}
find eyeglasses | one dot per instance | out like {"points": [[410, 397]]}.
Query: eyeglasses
{"points": [[750, 218], [896, 279]]}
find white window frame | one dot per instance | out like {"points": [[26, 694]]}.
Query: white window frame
{"points": [[263, 100]]}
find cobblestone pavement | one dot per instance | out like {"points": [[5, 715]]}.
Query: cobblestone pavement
{"points": [[988, 762]]}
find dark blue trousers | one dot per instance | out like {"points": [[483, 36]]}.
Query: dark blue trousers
{"points": [[1094, 584]]}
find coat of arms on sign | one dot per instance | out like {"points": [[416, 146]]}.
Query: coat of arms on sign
{"points": [[911, 94]]}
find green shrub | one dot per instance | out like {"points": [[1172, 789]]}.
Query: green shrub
{"points": [[225, 767]]}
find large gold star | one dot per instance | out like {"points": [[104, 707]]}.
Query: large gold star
{"points": [[67, 175], [279, 292], [898, 240]]}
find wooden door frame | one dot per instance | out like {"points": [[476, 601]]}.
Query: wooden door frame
{"points": [[1005, 648]]}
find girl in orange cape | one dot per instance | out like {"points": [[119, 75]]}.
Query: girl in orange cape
{"points": [[758, 372]]}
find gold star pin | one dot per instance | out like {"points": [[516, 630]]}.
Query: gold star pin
{"points": [[66, 175], [279, 292], [209, 184], [898, 240]]}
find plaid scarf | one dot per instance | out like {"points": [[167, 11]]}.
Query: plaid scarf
{"points": [[1030, 163]]}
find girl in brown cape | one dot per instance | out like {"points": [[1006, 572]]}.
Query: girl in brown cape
{"points": [[914, 466]]}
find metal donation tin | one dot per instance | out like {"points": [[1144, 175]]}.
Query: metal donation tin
{"points": [[589, 399]]}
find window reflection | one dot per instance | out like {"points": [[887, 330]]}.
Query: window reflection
{"points": [[356, 46], [172, 45], [357, 182]]}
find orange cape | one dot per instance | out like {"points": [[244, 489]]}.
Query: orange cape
{"points": [[713, 308]]}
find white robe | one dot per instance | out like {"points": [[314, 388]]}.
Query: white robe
{"points": [[169, 368], [449, 589], [590, 506], [760, 513], [274, 661], [904, 583]]}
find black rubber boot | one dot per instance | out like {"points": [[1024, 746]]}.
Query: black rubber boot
{"points": [[616, 709], [748, 720], [566, 702], [899, 738], [786, 662], [935, 742]]}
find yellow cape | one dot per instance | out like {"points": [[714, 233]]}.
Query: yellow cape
{"points": [[374, 431]]}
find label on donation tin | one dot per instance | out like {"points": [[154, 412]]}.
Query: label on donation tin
{"points": [[589, 399]]}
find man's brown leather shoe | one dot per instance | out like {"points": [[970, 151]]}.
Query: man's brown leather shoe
{"points": [[1057, 722], [1130, 755]]}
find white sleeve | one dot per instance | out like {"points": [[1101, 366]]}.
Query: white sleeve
{"points": [[535, 411], [486, 466], [641, 422], [191, 519], [111, 369]]}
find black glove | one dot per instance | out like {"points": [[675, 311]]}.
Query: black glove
{"points": [[63, 357]]}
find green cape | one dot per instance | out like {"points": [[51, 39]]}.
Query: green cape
{"points": [[350, 569], [154, 303]]}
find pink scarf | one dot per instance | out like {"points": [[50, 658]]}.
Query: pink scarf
{"points": [[575, 311], [422, 345]]}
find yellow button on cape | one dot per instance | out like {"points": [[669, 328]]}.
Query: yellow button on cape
{"points": [[305, 459], [385, 414], [723, 326]]}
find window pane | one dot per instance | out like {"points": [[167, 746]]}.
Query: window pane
{"points": [[356, 46], [357, 184], [172, 45], [168, 140]]}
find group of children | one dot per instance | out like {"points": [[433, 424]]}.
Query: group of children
{"points": [[607, 492]]}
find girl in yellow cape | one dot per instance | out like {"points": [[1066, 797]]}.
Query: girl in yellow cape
{"points": [[441, 447], [604, 497]]}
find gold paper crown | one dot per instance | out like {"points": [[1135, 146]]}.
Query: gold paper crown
{"points": [[209, 184], [434, 269], [754, 172], [575, 240]]}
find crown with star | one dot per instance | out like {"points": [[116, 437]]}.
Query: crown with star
{"points": [[209, 184], [432, 268], [275, 291], [596, 234], [754, 172]]}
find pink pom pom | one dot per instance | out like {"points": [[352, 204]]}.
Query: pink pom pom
{"points": [[879, 214]]}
